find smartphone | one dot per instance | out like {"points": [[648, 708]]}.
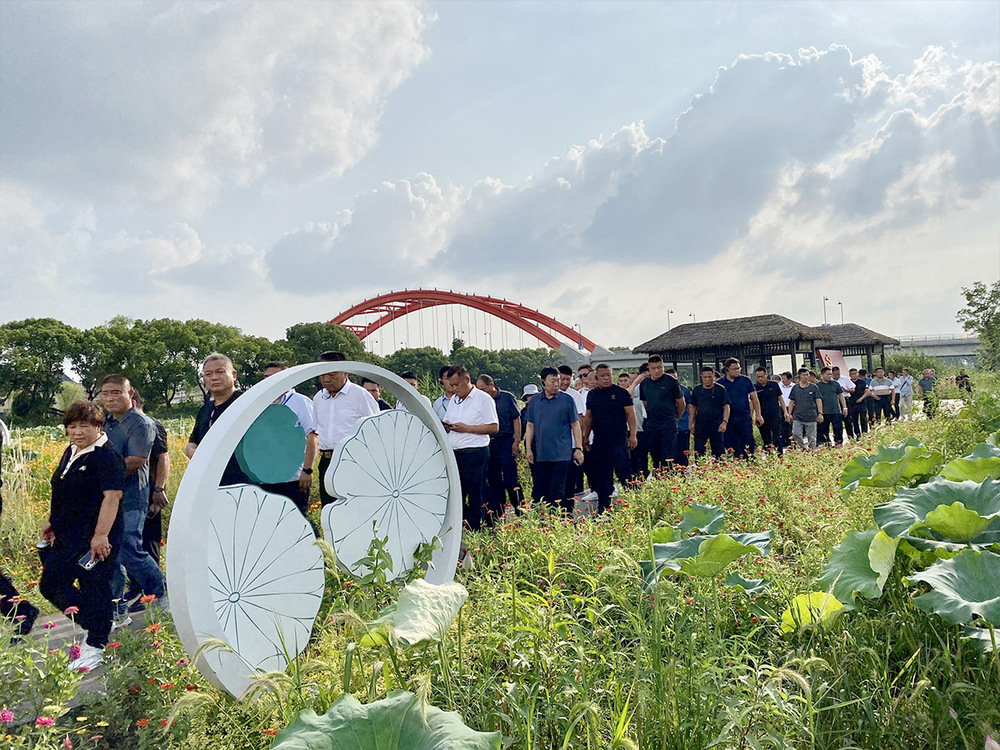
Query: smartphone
{"points": [[88, 561]]}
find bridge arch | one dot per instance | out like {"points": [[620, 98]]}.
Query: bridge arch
{"points": [[393, 305]]}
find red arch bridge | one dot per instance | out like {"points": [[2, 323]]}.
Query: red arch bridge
{"points": [[389, 307]]}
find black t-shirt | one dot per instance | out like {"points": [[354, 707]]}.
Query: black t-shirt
{"points": [[660, 397], [78, 493], [506, 414], [860, 386], [710, 403], [772, 406], [207, 416], [607, 412], [158, 449]]}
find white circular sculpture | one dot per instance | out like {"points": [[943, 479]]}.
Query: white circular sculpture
{"points": [[206, 604], [390, 478]]}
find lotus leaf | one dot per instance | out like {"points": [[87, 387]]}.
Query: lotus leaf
{"points": [[984, 638], [397, 722], [423, 612], [817, 608], [859, 565], [708, 519], [703, 555], [749, 586], [909, 461], [663, 534], [963, 587], [982, 463], [960, 511], [994, 439]]}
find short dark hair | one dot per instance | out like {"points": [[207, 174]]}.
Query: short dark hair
{"points": [[443, 371], [730, 361], [546, 371], [137, 400], [565, 370], [786, 374], [368, 380], [488, 379], [654, 358], [409, 375], [862, 371], [708, 369], [603, 366], [761, 369], [826, 369], [332, 357], [643, 368], [803, 370], [276, 364], [671, 371], [588, 368], [116, 380], [84, 411], [458, 370]]}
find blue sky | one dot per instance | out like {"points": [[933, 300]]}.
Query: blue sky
{"points": [[261, 164]]}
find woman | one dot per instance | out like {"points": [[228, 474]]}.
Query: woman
{"points": [[84, 529]]}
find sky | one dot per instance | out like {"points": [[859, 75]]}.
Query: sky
{"points": [[262, 164]]}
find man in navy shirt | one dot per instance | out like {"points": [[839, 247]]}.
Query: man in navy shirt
{"points": [[744, 409], [683, 448], [554, 440], [664, 403], [709, 414], [611, 419], [772, 408], [502, 482]]}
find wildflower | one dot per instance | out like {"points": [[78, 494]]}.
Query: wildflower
{"points": [[74, 652], [147, 598], [165, 723], [44, 721], [142, 723], [154, 628], [114, 644], [67, 743], [134, 690], [6, 717], [83, 670], [156, 644], [190, 687], [182, 662], [49, 625], [270, 732], [70, 611]]}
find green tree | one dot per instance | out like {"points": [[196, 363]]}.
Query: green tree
{"points": [[251, 353], [308, 340], [104, 350], [426, 361], [32, 353], [981, 315]]}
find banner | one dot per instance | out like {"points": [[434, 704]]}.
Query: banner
{"points": [[832, 358]]}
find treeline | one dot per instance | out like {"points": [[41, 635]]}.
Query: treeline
{"points": [[161, 357]]}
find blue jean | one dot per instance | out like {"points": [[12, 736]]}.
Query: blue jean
{"points": [[133, 558]]}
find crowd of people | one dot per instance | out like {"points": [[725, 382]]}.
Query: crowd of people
{"points": [[579, 431]]}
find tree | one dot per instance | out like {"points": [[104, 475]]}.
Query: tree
{"points": [[308, 340], [105, 350], [251, 353], [981, 315], [32, 353], [426, 361]]}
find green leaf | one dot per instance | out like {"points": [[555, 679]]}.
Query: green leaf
{"points": [[423, 612], [983, 638], [397, 722], [703, 555], [982, 463], [860, 564], [965, 586], [663, 534], [708, 519], [994, 439], [749, 586], [817, 608], [905, 462], [960, 511]]}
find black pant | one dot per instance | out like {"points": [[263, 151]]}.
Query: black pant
{"points": [[324, 463], [550, 484], [661, 440], [683, 449], [883, 409], [92, 596], [772, 432], [504, 485], [857, 416], [574, 480], [292, 492], [472, 465], [823, 430], [714, 437], [739, 437], [639, 456], [604, 461]]}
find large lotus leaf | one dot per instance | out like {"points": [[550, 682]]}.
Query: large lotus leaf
{"points": [[959, 511], [994, 439], [965, 586], [817, 608], [748, 586], [397, 722], [703, 555], [708, 519], [982, 463], [985, 639], [891, 465], [663, 534], [423, 612], [859, 565]]}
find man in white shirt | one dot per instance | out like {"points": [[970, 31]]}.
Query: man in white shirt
{"points": [[470, 419], [297, 488], [440, 404], [905, 391], [336, 409], [574, 477], [411, 379], [786, 385], [847, 386]]}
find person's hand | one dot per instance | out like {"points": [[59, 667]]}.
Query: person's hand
{"points": [[100, 547], [788, 418], [759, 420], [529, 455], [459, 427], [158, 501], [305, 482], [723, 426], [844, 411], [633, 441], [48, 534], [819, 419], [515, 450]]}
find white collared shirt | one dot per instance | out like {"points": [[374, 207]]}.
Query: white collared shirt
{"points": [[402, 407], [75, 453], [579, 398], [477, 408], [334, 416], [785, 390], [847, 384]]}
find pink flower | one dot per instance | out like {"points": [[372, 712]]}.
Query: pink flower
{"points": [[74, 652], [67, 743], [49, 625], [83, 670], [70, 611], [6, 717], [44, 721]]}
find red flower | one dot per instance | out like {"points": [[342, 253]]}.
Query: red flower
{"points": [[142, 723], [270, 732], [166, 686]]}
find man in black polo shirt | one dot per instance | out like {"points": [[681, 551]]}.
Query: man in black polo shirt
{"points": [[502, 482], [664, 403], [220, 382], [611, 419], [709, 414], [772, 408]]}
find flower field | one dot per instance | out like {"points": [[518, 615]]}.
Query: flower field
{"points": [[567, 640]]}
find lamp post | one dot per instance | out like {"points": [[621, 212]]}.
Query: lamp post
{"points": [[841, 312], [824, 310], [668, 318], [693, 318]]}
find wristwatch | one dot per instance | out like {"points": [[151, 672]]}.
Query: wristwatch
{"points": [[307, 471], [159, 489]]}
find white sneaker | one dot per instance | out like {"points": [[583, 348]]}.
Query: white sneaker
{"points": [[121, 621], [90, 657]]}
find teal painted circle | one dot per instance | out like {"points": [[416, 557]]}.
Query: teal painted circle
{"points": [[272, 449]]}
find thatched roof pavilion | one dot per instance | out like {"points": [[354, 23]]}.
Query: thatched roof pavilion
{"points": [[858, 341]]}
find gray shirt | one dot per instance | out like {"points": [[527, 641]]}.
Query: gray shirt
{"points": [[804, 402], [133, 435]]}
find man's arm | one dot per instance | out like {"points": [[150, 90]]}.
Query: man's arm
{"points": [[586, 421], [680, 403], [476, 429], [724, 424], [189, 449], [692, 415], [633, 440], [529, 435], [158, 498], [819, 410], [516, 448], [755, 407], [305, 480]]}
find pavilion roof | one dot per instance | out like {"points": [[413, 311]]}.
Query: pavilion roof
{"points": [[757, 329], [851, 334]]}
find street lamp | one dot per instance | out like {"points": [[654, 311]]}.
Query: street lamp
{"points": [[824, 310], [668, 318], [693, 318], [841, 312]]}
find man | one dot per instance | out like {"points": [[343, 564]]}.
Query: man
{"points": [[926, 385], [336, 409], [376, 391], [962, 381], [219, 376], [664, 403], [805, 411], [412, 380], [683, 449], [611, 419], [904, 393], [440, 404], [744, 409], [502, 482], [639, 456], [834, 408], [470, 420], [132, 435], [786, 384], [583, 384], [159, 475], [624, 380], [554, 440], [574, 476], [772, 408], [857, 408], [527, 393], [847, 386], [297, 488], [882, 390], [709, 414], [895, 392]]}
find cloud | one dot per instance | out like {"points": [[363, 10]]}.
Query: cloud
{"points": [[170, 104]]}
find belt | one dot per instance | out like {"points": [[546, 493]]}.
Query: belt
{"points": [[326, 454]]}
